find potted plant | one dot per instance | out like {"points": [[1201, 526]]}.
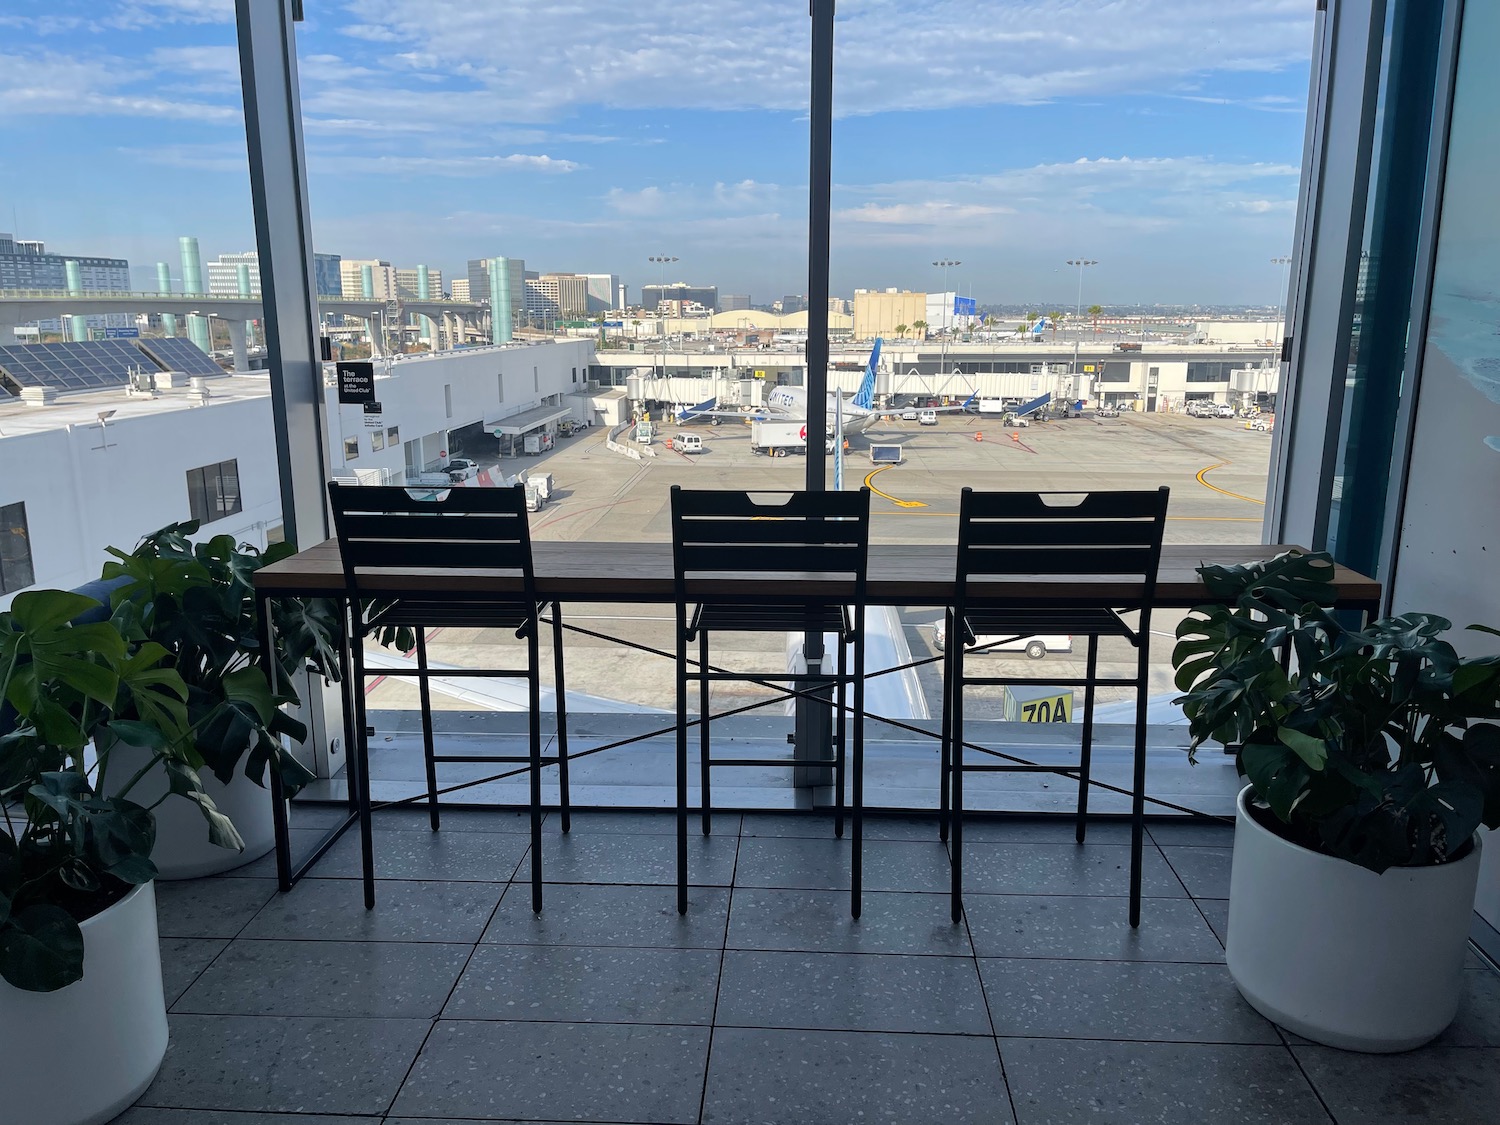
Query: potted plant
{"points": [[197, 602], [79, 957], [1371, 763]]}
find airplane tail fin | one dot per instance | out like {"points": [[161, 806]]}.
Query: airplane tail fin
{"points": [[864, 398]]}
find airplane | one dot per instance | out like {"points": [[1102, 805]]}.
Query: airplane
{"points": [[789, 404], [1041, 325]]}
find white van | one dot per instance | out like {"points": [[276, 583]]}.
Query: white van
{"points": [[1034, 647], [688, 443], [927, 418]]}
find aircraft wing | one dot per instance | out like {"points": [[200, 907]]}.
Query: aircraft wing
{"points": [[764, 414], [969, 405]]}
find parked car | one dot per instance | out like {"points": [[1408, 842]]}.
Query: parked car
{"points": [[688, 443], [1225, 411], [1035, 648], [460, 469], [1107, 412], [927, 418], [909, 414]]}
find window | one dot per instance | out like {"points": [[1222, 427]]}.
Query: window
{"points": [[214, 491], [351, 448], [15, 550], [1209, 372], [500, 387], [377, 441], [536, 380], [1114, 372], [448, 399], [575, 374], [393, 436]]}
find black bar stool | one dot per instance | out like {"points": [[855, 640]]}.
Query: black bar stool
{"points": [[823, 534], [1052, 538], [484, 529]]}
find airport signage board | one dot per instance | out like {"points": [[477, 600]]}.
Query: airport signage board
{"points": [[356, 381], [965, 306], [614, 324], [122, 333]]}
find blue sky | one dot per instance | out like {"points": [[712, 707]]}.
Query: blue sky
{"points": [[1161, 137]]}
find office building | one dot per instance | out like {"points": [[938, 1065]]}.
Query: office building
{"points": [[26, 264], [881, 312], [368, 278], [732, 302], [681, 294], [224, 275], [512, 303], [604, 289], [458, 289], [564, 295], [326, 275]]}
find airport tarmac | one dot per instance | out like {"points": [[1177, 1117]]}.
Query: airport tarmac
{"points": [[1215, 468]]}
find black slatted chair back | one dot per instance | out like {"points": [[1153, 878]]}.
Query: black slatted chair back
{"points": [[1055, 536], [771, 533]]}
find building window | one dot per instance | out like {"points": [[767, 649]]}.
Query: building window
{"points": [[575, 374], [500, 387], [15, 549], [448, 399], [214, 491], [1209, 372], [1114, 371], [377, 441], [393, 436], [536, 380], [351, 448]]}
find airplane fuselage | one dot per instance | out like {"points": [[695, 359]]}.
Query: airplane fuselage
{"points": [[793, 400]]}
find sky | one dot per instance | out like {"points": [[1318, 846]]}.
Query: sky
{"points": [[1161, 138]]}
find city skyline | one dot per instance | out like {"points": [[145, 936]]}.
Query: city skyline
{"points": [[1167, 148]]}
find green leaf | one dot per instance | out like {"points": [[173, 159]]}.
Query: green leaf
{"points": [[40, 611], [1313, 751], [41, 949]]}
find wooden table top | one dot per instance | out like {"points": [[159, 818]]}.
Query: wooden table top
{"points": [[900, 574]]}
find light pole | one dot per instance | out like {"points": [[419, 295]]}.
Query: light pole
{"points": [[1080, 263], [1286, 281], [945, 263], [661, 261]]}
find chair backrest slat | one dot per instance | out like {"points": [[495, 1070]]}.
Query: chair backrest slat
{"points": [[453, 529], [1055, 536], [771, 533]]}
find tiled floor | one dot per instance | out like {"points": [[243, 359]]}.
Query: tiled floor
{"points": [[452, 1002]]}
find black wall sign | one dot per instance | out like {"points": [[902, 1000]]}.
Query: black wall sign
{"points": [[356, 381]]}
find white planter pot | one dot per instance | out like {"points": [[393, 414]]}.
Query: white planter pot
{"points": [[182, 849], [1339, 954], [83, 1054]]}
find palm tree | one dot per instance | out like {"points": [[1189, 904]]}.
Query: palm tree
{"points": [[901, 329], [1030, 320], [920, 327], [1056, 322], [1096, 311]]}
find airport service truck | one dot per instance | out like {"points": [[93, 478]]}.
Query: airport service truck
{"points": [[780, 439]]}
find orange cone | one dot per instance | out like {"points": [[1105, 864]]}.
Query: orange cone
{"points": [[978, 436]]}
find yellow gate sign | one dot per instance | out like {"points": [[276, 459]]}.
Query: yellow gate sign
{"points": [[1039, 704]]}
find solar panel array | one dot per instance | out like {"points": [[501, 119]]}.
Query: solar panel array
{"points": [[98, 364], [176, 353]]}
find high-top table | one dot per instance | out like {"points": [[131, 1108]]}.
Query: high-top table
{"points": [[900, 574]]}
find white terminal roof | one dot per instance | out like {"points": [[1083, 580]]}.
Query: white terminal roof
{"points": [[83, 408], [527, 420]]}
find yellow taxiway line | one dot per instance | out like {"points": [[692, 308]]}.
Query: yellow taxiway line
{"points": [[870, 477], [1203, 472]]}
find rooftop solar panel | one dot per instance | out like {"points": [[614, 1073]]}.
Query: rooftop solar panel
{"points": [[174, 353], [72, 366]]}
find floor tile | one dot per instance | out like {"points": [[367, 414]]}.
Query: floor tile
{"points": [[773, 1077], [302, 841], [1042, 830], [819, 826], [1204, 871], [322, 815], [816, 921], [182, 959], [645, 858], [1093, 928], [334, 910], [328, 978], [853, 992], [141, 1116], [1063, 1082], [1216, 910], [823, 864], [1190, 832], [581, 914], [1447, 1085], [591, 822], [1031, 997], [551, 1071], [579, 984], [278, 1064], [209, 908], [1478, 1021], [423, 854], [1053, 869], [413, 818]]}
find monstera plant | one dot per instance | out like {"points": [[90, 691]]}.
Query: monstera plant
{"points": [[1376, 744], [68, 852]]}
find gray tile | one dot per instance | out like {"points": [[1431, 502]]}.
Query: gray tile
{"points": [[580, 914], [772, 1077], [304, 814], [209, 908], [490, 857], [591, 822], [819, 921], [1061, 1082], [1095, 928], [328, 978], [1031, 997], [139, 1116], [823, 864], [413, 818], [1478, 1021], [302, 842], [1042, 830], [588, 1072], [1190, 832], [1204, 871], [579, 984], [819, 826], [279, 1064], [1053, 869], [334, 910], [1451, 1085], [182, 959], [643, 858], [1216, 910], [851, 992]]}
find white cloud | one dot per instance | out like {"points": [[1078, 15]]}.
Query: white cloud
{"points": [[61, 85]]}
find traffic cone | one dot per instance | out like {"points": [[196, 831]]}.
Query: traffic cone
{"points": [[978, 436]]}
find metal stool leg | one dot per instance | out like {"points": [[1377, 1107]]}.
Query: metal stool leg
{"points": [[1086, 753], [945, 741], [1138, 785], [361, 755], [534, 686], [682, 761], [429, 754], [857, 858], [560, 691], [956, 766], [840, 752], [703, 712]]}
